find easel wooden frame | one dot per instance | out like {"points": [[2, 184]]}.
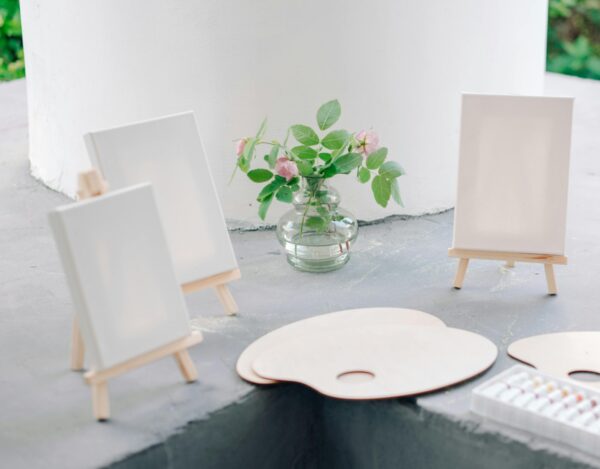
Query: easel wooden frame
{"points": [[91, 184], [98, 380], [465, 255]]}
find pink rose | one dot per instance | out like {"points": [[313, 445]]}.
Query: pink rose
{"points": [[286, 168], [241, 144], [368, 141]]}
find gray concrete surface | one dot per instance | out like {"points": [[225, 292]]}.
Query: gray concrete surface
{"points": [[220, 421]]}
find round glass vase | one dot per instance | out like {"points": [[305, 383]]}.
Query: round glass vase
{"points": [[317, 234]]}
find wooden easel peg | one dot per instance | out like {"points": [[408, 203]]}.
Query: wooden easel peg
{"points": [[550, 279], [90, 184], [510, 258], [98, 380], [463, 263], [227, 299]]}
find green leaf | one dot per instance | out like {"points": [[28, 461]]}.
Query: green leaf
{"points": [[376, 159], [323, 211], [396, 192], [347, 162], [381, 188], [329, 171], [304, 153], [264, 206], [326, 157], [293, 181], [335, 140], [328, 114], [270, 188], [305, 167], [260, 175], [284, 194], [315, 223], [391, 170], [364, 175], [305, 135], [272, 157]]}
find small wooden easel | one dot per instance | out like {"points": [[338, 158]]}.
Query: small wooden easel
{"points": [[548, 260], [91, 184], [98, 380]]}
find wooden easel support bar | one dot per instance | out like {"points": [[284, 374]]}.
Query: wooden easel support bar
{"points": [[218, 282], [98, 380], [510, 258], [94, 377], [77, 346]]}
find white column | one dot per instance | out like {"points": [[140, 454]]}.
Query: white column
{"points": [[398, 66]]}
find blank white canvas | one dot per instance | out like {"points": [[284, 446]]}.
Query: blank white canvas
{"points": [[120, 273], [513, 174], [168, 153]]}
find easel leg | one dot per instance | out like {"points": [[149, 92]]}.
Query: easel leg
{"points": [[77, 347], [186, 366], [510, 264], [100, 401], [227, 299], [460, 273], [550, 279]]}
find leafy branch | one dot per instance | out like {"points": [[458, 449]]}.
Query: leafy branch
{"points": [[316, 158]]}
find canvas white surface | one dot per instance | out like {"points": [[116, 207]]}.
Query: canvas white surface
{"points": [[513, 174], [120, 273], [168, 153]]}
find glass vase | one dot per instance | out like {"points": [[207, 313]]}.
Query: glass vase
{"points": [[317, 234]]}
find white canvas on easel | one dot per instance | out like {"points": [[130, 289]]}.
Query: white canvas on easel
{"points": [[168, 152], [128, 302], [513, 180]]}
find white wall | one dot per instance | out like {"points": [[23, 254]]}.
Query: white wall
{"points": [[396, 65]]}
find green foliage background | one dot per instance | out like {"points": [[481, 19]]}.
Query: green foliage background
{"points": [[11, 44], [573, 39]]}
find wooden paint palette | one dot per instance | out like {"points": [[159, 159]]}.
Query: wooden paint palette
{"points": [[375, 362], [561, 354], [355, 318]]}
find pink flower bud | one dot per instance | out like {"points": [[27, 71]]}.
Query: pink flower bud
{"points": [[241, 144], [286, 168], [368, 142]]}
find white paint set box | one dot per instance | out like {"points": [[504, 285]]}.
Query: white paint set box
{"points": [[559, 409]]}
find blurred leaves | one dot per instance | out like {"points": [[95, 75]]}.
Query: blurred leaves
{"points": [[574, 38], [12, 64]]}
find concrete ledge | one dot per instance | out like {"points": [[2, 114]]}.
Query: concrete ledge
{"points": [[270, 428], [291, 426], [222, 421]]}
